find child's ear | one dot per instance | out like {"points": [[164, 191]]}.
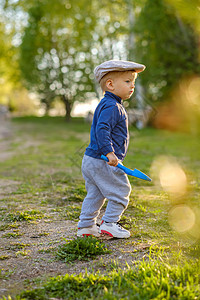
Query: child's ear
{"points": [[109, 84]]}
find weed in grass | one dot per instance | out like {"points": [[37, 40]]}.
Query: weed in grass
{"points": [[4, 227], [5, 274], [72, 212], [22, 252], [2, 210], [75, 197], [23, 189], [193, 250], [24, 216], [47, 250], [16, 246], [8, 226], [4, 257], [43, 234], [81, 249], [56, 210], [101, 264], [77, 194], [156, 251], [7, 298], [14, 235], [141, 207], [127, 221]]}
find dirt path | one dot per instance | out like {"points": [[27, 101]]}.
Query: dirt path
{"points": [[31, 255], [5, 137]]}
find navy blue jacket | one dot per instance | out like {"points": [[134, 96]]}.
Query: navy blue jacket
{"points": [[109, 130]]}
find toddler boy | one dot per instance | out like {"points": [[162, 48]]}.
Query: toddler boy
{"points": [[109, 136]]}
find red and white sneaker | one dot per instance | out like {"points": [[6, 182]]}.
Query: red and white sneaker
{"points": [[114, 230], [87, 231]]}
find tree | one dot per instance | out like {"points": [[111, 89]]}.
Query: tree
{"points": [[167, 46], [55, 56], [189, 11], [9, 72]]}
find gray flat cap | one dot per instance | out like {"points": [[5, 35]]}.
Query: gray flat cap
{"points": [[116, 65]]}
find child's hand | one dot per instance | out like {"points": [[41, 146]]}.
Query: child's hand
{"points": [[113, 160]]}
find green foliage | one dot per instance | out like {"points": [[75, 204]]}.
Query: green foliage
{"points": [[81, 249], [167, 46], [146, 280], [189, 10], [9, 72]]}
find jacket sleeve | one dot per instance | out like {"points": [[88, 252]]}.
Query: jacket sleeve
{"points": [[107, 120]]}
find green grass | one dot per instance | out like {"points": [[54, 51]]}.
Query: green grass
{"points": [[8, 226], [14, 235], [81, 249], [24, 216], [43, 177], [146, 280]]}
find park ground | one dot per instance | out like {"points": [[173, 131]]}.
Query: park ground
{"points": [[41, 191]]}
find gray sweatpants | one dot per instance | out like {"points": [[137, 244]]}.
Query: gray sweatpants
{"points": [[103, 181]]}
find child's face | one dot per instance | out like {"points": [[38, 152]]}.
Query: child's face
{"points": [[123, 85]]}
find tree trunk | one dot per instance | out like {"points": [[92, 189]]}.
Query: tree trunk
{"points": [[47, 108], [68, 108]]}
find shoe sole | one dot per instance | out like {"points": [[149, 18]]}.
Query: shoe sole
{"points": [[115, 236], [106, 232]]}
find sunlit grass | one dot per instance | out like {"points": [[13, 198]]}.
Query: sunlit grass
{"points": [[146, 280], [81, 249]]}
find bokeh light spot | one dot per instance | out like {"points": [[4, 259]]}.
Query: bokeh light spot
{"points": [[182, 218], [173, 178], [193, 92], [169, 174]]}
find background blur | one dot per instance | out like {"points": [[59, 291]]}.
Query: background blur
{"points": [[50, 48]]}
